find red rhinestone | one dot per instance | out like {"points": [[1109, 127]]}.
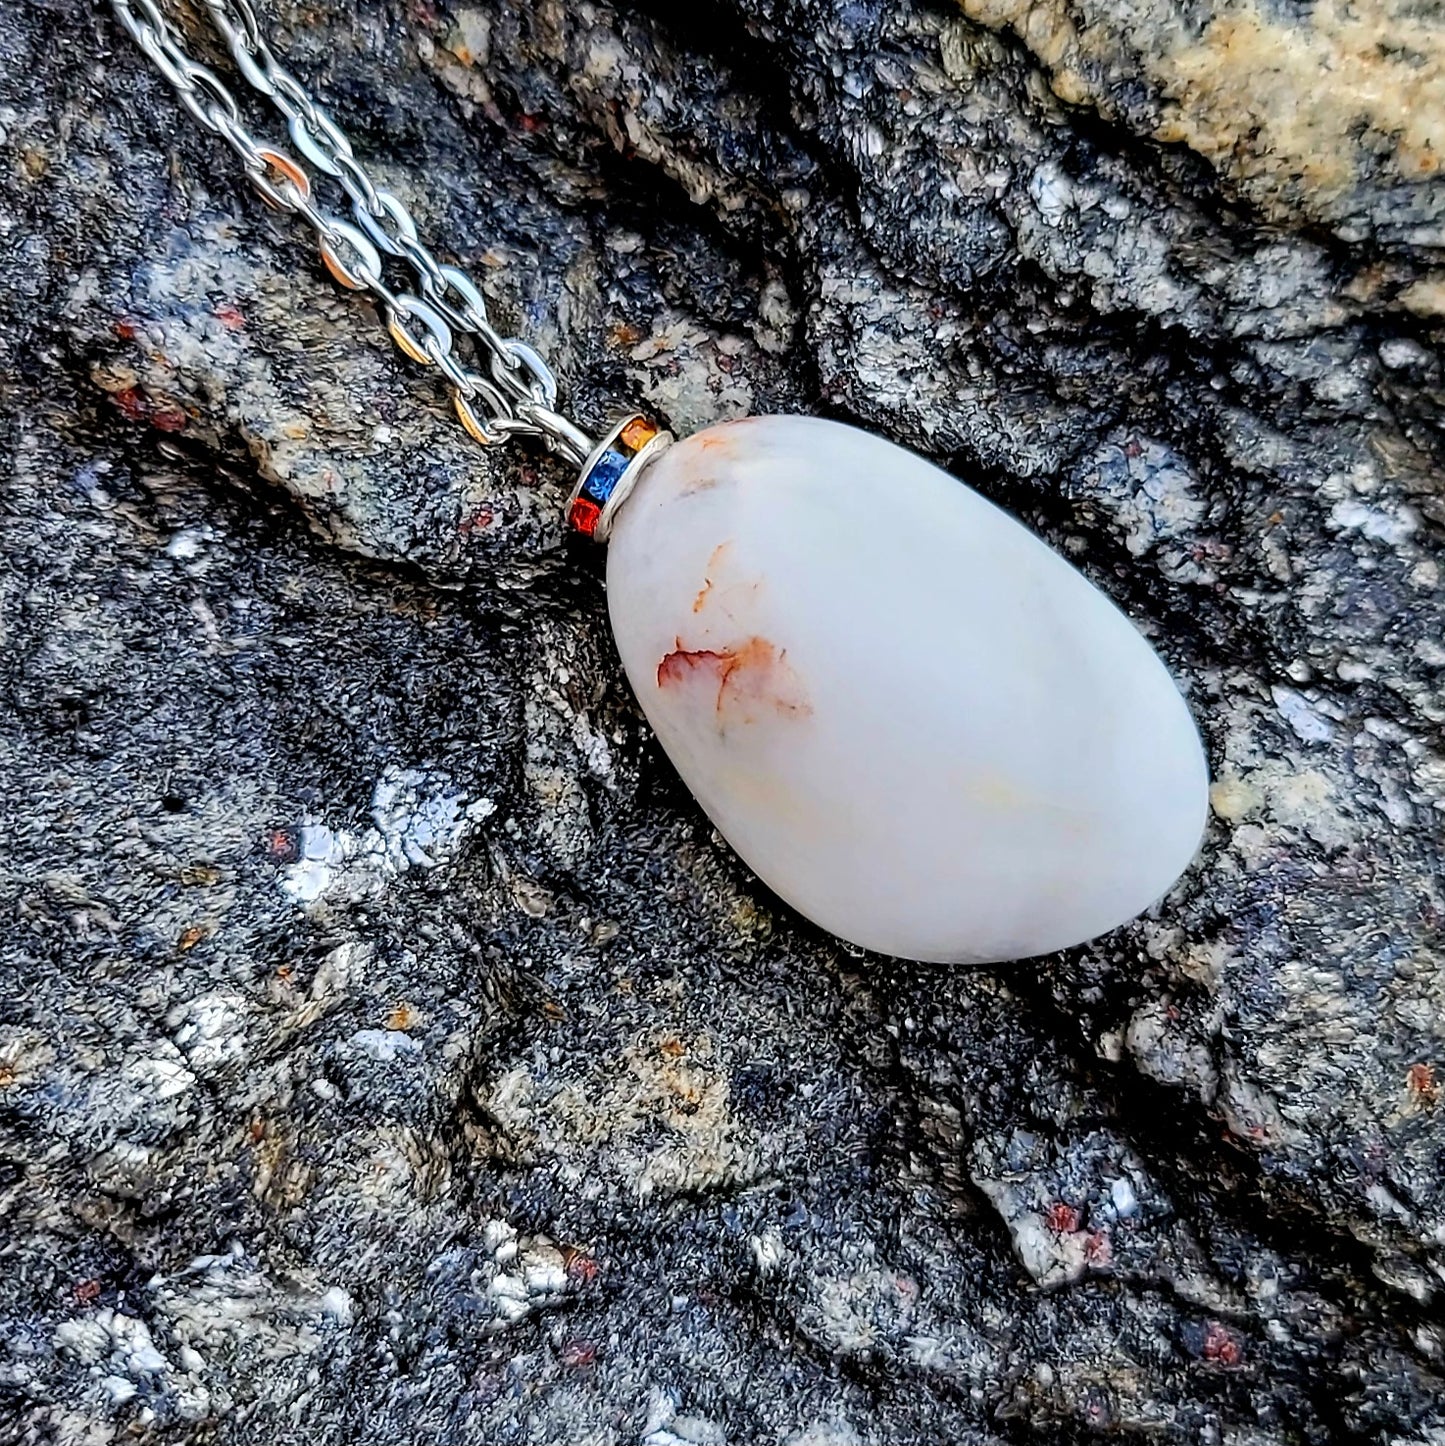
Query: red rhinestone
{"points": [[584, 516]]}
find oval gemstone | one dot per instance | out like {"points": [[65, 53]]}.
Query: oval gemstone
{"points": [[914, 721]]}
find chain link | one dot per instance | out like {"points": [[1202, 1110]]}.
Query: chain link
{"points": [[512, 391]]}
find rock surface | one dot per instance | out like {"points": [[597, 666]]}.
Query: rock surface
{"points": [[388, 1049]]}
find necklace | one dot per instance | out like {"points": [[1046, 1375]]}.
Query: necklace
{"points": [[913, 720]]}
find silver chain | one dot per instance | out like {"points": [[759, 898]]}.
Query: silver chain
{"points": [[511, 391]]}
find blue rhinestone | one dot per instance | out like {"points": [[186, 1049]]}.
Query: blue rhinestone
{"points": [[605, 474]]}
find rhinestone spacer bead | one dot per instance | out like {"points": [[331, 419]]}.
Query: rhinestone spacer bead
{"points": [[610, 472]]}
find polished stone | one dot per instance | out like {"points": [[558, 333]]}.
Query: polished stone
{"points": [[917, 723]]}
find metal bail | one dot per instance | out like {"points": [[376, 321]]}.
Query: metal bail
{"points": [[558, 432]]}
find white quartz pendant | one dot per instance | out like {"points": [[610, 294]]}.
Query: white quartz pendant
{"points": [[915, 722]]}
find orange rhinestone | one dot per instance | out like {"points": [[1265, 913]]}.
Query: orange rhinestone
{"points": [[637, 434]]}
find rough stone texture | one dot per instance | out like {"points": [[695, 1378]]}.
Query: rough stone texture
{"points": [[390, 1053]]}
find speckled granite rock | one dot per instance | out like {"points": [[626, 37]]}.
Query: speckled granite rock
{"points": [[389, 1052]]}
